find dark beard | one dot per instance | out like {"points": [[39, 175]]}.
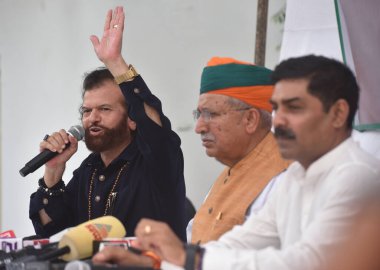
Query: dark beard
{"points": [[110, 139]]}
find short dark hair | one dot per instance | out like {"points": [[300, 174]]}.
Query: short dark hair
{"points": [[329, 80], [96, 78]]}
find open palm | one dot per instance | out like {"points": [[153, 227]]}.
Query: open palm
{"points": [[108, 48]]}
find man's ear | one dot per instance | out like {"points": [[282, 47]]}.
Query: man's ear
{"points": [[339, 112], [131, 124], [253, 120]]}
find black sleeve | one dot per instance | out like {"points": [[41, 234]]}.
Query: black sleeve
{"points": [[59, 207], [159, 145]]}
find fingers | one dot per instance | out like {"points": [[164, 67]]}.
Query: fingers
{"points": [[73, 141], [116, 22], [121, 19], [108, 46], [145, 232], [108, 255], [114, 17], [95, 41], [101, 258], [120, 256], [145, 228], [151, 234], [159, 238], [108, 20], [56, 142]]}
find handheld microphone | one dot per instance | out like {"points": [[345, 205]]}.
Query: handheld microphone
{"points": [[46, 155], [77, 243]]}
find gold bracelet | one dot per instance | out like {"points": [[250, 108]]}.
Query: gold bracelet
{"points": [[127, 76]]}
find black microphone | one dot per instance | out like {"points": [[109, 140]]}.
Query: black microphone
{"points": [[28, 253], [46, 155]]}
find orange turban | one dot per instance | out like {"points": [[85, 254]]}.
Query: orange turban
{"points": [[240, 80]]}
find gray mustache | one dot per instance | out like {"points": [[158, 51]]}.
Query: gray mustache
{"points": [[207, 136], [284, 133]]}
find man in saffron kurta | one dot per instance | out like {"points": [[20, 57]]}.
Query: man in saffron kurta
{"points": [[234, 121]]}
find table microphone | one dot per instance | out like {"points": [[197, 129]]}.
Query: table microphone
{"points": [[76, 244]]}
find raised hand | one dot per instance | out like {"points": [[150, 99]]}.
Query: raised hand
{"points": [[108, 48]]}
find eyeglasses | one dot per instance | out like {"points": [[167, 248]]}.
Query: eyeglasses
{"points": [[207, 116]]}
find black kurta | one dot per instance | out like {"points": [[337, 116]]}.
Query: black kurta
{"points": [[151, 184]]}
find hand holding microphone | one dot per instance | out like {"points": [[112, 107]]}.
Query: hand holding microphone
{"points": [[54, 145]]}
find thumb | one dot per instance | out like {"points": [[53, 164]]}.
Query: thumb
{"points": [[95, 41], [73, 143], [100, 258]]}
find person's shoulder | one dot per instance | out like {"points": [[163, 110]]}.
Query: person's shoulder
{"points": [[359, 157], [369, 141], [356, 169]]}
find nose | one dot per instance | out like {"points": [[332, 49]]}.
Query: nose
{"points": [[279, 119], [200, 125], [94, 116]]}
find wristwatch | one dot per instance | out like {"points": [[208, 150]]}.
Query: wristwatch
{"points": [[127, 76], [191, 252]]}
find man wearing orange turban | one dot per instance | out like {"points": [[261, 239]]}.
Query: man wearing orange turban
{"points": [[234, 121], [240, 80]]}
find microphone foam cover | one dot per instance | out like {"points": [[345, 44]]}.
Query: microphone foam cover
{"points": [[79, 239]]}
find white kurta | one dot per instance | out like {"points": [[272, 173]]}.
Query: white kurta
{"points": [[305, 216]]}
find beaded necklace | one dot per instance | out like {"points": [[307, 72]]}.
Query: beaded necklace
{"points": [[111, 194]]}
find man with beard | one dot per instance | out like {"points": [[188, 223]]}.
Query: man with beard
{"points": [[135, 169], [310, 213]]}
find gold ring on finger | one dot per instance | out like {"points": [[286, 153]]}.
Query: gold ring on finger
{"points": [[147, 229]]}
